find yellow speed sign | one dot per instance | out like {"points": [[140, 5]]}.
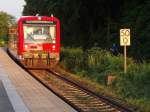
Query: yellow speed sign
{"points": [[125, 37]]}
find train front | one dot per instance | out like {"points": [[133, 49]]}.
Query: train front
{"points": [[39, 37]]}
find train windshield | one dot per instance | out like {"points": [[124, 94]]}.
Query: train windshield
{"points": [[39, 32]]}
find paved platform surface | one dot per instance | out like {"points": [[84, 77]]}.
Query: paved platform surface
{"points": [[5, 104], [25, 93]]}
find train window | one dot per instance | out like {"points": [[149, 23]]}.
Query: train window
{"points": [[53, 33], [39, 33]]}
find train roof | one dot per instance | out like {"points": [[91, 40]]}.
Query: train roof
{"points": [[36, 18]]}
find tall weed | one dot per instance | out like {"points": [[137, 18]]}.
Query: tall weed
{"points": [[96, 64]]}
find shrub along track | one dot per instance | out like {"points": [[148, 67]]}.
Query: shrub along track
{"points": [[82, 99]]}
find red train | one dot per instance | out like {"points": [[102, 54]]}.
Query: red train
{"points": [[38, 35]]}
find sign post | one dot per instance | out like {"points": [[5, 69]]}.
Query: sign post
{"points": [[125, 59], [125, 41]]}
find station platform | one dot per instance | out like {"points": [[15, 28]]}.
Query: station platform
{"points": [[20, 92]]}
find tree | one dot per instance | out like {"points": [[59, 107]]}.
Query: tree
{"points": [[96, 23], [6, 21]]}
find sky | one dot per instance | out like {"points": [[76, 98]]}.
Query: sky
{"points": [[12, 7]]}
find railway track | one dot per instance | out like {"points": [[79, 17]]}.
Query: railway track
{"points": [[80, 98]]}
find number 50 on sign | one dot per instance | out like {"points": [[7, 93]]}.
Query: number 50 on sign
{"points": [[125, 37]]}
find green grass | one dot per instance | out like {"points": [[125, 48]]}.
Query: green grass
{"points": [[96, 64]]}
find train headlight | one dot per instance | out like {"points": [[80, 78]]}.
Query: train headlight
{"points": [[53, 46], [39, 18], [26, 46], [53, 41]]}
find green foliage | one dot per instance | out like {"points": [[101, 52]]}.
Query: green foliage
{"points": [[2, 42], [100, 60], [6, 21], [72, 58], [135, 81], [94, 63], [143, 104], [137, 18], [88, 23], [97, 64]]}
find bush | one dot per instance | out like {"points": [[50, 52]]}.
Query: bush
{"points": [[96, 64], [136, 82], [72, 59]]}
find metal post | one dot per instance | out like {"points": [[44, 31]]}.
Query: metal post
{"points": [[125, 59]]}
